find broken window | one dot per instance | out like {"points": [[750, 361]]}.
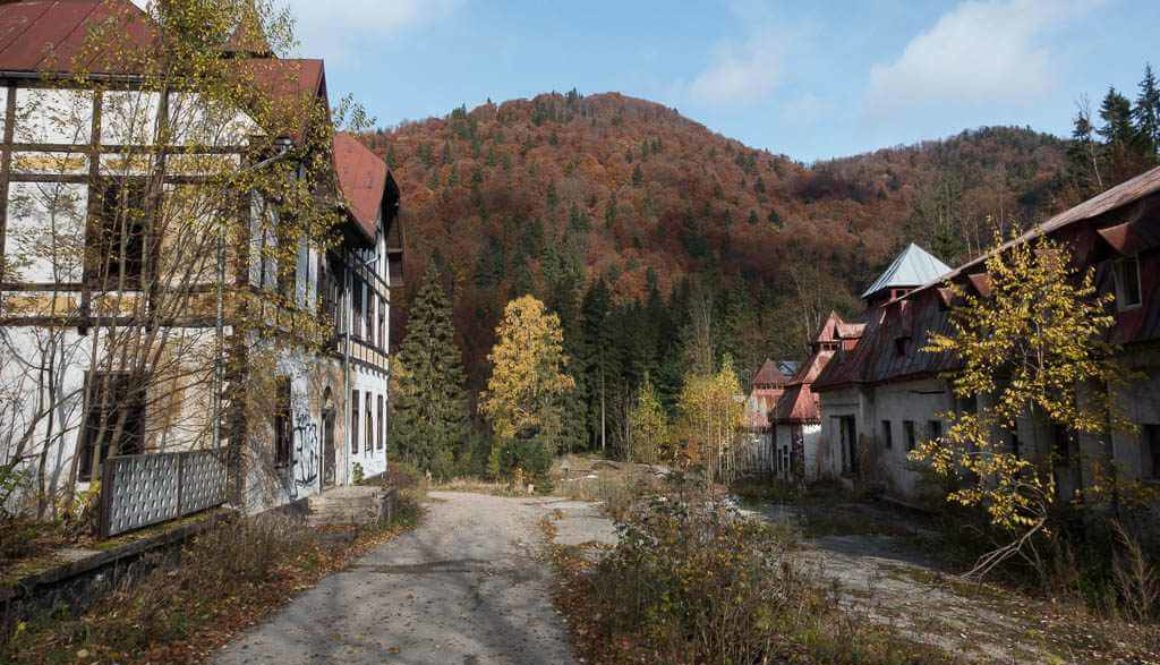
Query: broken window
{"points": [[934, 429], [1150, 453], [283, 427], [370, 426], [1127, 277], [382, 424], [115, 245], [354, 394], [114, 420]]}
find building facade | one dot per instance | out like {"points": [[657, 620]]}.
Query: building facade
{"points": [[158, 291], [885, 395]]}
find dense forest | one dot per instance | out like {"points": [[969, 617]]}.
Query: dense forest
{"points": [[663, 246]]}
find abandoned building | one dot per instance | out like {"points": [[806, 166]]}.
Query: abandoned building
{"points": [[883, 395], [795, 419], [144, 305], [756, 454]]}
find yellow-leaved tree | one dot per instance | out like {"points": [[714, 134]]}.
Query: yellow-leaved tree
{"points": [[648, 427], [1033, 350], [524, 396], [711, 417]]}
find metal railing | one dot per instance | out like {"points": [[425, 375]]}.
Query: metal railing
{"points": [[141, 490]]}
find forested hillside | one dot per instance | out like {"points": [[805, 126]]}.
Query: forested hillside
{"points": [[550, 194]]}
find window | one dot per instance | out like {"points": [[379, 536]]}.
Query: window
{"points": [[934, 429], [370, 426], [372, 301], [908, 432], [1016, 445], [116, 237], [848, 433], [383, 324], [382, 424], [887, 435], [356, 296], [283, 429], [114, 420], [1127, 276], [354, 421], [1150, 444]]}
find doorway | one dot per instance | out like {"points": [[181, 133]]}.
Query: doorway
{"points": [[328, 454]]}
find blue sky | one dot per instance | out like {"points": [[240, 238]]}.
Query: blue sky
{"points": [[809, 79]]}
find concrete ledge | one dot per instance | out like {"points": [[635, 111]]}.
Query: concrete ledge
{"points": [[78, 581]]}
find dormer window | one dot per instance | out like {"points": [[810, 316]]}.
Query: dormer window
{"points": [[1127, 277]]}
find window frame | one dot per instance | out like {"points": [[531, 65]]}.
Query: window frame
{"points": [[354, 420], [1119, 278], [910, 434], [934, 429], [382, 440], [100, 236], [128, 393], [370, 429], [283, 427], [1150, 448]]}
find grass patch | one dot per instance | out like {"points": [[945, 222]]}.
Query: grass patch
{"points": [[227, 579]]}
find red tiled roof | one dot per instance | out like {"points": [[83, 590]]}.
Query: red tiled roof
{"points": [[362, 179], [51, 35]]}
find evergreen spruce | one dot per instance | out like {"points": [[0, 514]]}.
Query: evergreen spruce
{"points": [[1147, 111], [429, 407]]}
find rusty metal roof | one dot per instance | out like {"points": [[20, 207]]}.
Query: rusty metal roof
{"points": [[769, 375], [913, 267], [362, 179], [891, 345]]}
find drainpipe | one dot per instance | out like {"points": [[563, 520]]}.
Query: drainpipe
{"points": [[348, 317]]}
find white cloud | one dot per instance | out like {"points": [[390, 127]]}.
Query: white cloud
{"points": [[743, 72], [335, 28], [745, 69], [981, 51]]}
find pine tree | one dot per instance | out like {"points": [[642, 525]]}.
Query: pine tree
{"points": [[1147, 111], [596, 363], [429, 407], [1116, 112], [1083, 154]]}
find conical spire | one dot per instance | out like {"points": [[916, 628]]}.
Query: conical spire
{"points": [[913, 268]]}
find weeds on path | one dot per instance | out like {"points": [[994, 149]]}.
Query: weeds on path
{"points": [[227, 579]]}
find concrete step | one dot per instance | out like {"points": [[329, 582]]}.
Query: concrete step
{"points": [[358, 505]]}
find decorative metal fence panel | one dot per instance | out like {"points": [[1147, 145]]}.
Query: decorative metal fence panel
{"points": [[140, 490]]}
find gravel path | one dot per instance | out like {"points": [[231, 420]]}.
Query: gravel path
{"points": [[467, 586]]}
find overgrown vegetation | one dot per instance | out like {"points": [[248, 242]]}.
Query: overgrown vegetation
{"points": [[1033, 359], [225, 580], [692, 581]]}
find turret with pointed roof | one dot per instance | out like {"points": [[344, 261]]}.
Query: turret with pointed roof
{"points": [[913, 268]]}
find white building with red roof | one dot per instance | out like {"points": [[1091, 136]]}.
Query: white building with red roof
{"points": [[119, 305]]}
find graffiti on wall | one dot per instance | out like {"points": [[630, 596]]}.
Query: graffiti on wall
{"points": [[306, 454]]}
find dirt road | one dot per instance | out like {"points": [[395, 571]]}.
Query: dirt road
{"points": [[467, 586]]}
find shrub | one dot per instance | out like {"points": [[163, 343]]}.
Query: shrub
{"points": [[692, 581], [523, 459]]}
